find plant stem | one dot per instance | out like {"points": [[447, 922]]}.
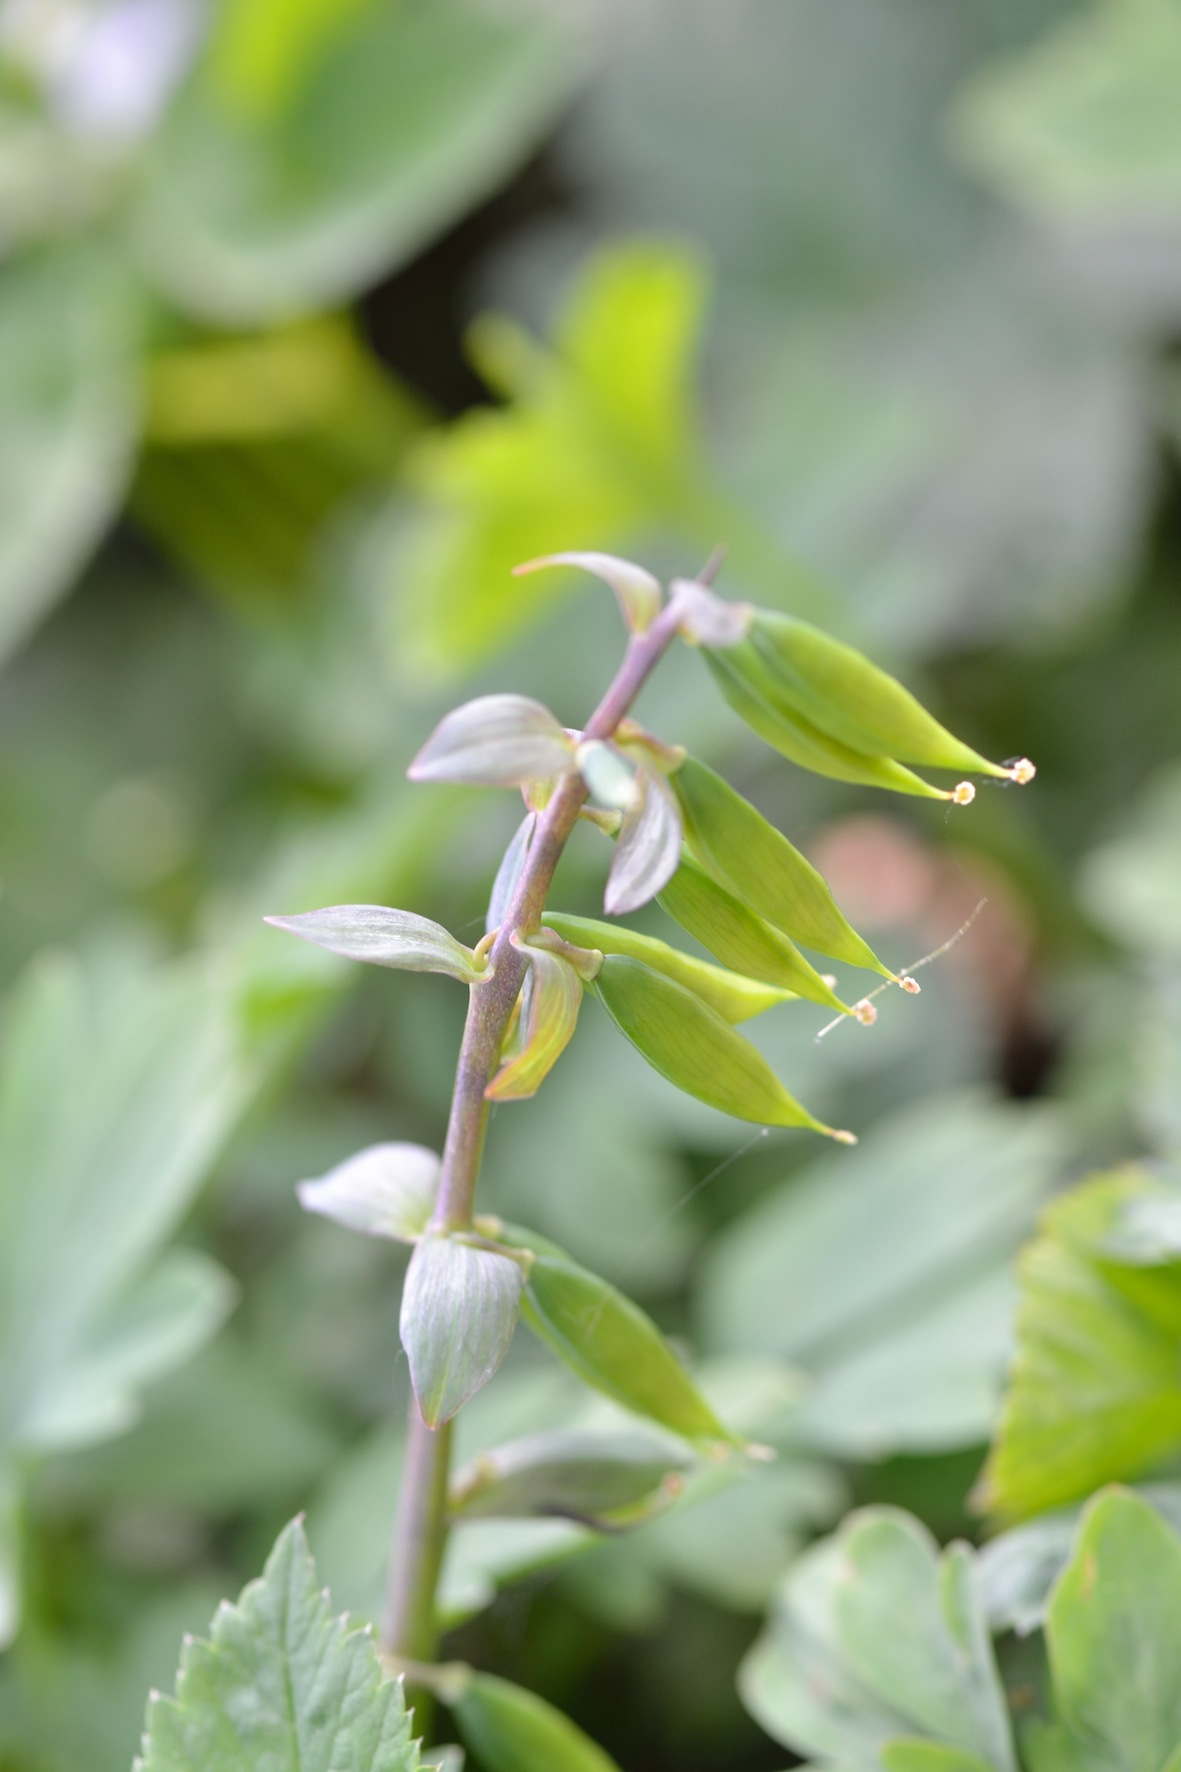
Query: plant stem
{"points": [[410, 1630]]}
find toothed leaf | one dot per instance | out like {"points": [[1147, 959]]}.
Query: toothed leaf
{"points": [[280, 1684]]}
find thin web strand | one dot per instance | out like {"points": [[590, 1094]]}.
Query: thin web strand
{"points": [[909, 971]]}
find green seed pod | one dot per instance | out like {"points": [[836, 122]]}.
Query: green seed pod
{"points": [[609, 1341], [740, 676], [735, 998], [740, 938], [689, 1043], [754, 860], [854, 701], [512, 1730]]}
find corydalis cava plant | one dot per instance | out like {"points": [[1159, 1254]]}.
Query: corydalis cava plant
{"points": [[681, 835]]}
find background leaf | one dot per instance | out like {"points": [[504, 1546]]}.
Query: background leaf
{"points": [[93, 1178], [414, 113], [280, 1681]]}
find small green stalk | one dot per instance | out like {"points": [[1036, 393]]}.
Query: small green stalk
{"points": [[410, 1627]]}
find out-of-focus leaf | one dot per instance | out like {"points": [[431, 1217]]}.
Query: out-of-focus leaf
{"points": [[589, 1477], [599, 437], [263, 52], [689, 1043], [253, 446], [69, 400], [610, 1342], [280, 1683], [229, 1433], [1114, 1635], [1095, 1394], [1084, 125], [1131, 885], [883, 1274], [418, 111], [94, 1174], [757, 863], [877, 1637], [516, 1731], [459, 1309], [385, 937], [1018, 1568], [637, 592], [549, 1015], [740, 938], [734, 997], [497, 741], [386, 1191], [648, 848]]}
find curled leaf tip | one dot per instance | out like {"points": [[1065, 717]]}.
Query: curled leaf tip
{"points": [[845, 1137], [963, 793], [911, 986], [1022, 771], [865, 1012]]}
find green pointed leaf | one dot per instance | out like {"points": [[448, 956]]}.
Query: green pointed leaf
{"points": [[648, 848], [1094, 1395], [551, 999], [808, 674], [594, 1478], [639, 594], [740, 938], [460, 1306], [733, 997], [387, 1190], [755, 861], [280, 1684], [1114, 1634], [496, 741], [610, 1342], [689, 1043], [876, 1637], [385, 937], [515, 1731], [742, 680]]}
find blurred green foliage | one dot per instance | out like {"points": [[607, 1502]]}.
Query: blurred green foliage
{"points": [[884, 294]]}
